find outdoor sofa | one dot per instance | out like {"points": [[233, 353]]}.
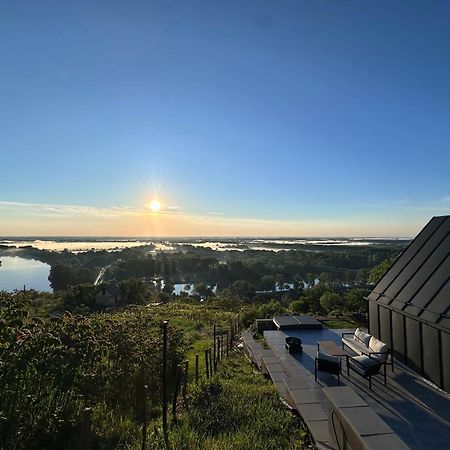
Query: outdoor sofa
{"points": [[368, 346]]}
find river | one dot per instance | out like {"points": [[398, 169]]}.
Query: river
{"points": [[15, 272]]}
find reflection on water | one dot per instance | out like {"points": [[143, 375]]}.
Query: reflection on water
{"points": [[16, 272]]}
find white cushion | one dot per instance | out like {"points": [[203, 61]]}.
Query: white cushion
{"points": [[363, 336], [375, 345]]}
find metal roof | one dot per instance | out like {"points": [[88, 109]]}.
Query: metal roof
{"points": [[418, 283]]}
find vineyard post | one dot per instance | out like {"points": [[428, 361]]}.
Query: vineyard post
{"points": [[218, 350], [175, 393], [211, 365], [144, 424], [196, 368], [185, 382], [164, 379], [206, 363], [214, 354], [86, 434]]}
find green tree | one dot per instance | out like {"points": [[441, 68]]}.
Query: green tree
{"points": [[331, 301], [133, 290], [300, 305], [268, 282], [355, 301], [377, 273]]}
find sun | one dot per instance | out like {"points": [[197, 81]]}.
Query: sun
{"points": [[155, 205]]}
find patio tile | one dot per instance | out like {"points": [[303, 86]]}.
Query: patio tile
{"points": [[343, 397], [365, 421], [305, 396], [312, 411], [384, 442], [319, 430]]}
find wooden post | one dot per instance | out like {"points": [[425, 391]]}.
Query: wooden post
{"points": [[86, 433], [185, 383], [175, 393], [164, 379], [211, 365], [196, 368], [206, 363], [214, 354], [144, 422]]}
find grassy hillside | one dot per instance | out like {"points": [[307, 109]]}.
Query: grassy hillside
{"points": [[52, 368]]}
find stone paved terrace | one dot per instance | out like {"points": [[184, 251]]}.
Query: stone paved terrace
{"points": [[418, 412]]}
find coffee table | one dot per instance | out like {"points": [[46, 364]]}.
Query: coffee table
{"points": [[331, 348]]}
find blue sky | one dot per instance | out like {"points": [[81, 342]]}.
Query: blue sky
{"points": [[305, 117]]}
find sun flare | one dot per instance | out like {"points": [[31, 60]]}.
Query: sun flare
{"points": [[155, 205]]}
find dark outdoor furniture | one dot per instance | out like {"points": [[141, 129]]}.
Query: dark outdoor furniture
{"points": [[364, 344], [365, 366], [327, 363], [293, 344]]}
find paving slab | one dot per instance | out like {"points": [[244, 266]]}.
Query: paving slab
{"points": [[319, 430], [343, 397], [312, 411], [365, 421], [304, 396], [384, 442]]}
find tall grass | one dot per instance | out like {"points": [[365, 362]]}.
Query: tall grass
{"points": [[236, 409]]}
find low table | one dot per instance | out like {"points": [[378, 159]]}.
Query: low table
{"points": [[331, 348]]}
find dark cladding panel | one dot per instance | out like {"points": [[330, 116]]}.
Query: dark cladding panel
{"points": [[409, 253], [431, 354], [413, 347], [446, 359], [419, 260], [385, 325], [429, 276], [398, 336], [373, 319]]}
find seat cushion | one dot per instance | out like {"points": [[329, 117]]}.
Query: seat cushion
{"points": [[377, 346], [364, 365], [326, 357], [363, 336]]}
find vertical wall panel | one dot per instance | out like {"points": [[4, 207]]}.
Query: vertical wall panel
{"points": [[446, 359], [398, 336], [413, 348], [373, 317], [431, 356], [385, 325]]}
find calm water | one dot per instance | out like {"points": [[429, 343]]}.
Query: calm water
{"points": [[16, 272]]}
